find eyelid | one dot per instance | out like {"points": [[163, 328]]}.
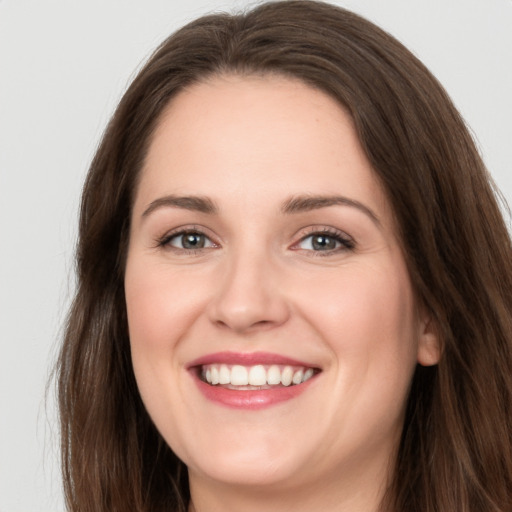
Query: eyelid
{"points": [[346, 241], [163, 241]]}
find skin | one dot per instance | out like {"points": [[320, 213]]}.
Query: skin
{"points": [[250, 144]]}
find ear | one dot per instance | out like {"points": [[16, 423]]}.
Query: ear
{"points": [[429, 344]]}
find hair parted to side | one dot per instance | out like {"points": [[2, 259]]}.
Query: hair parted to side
{"points": [[456, 447]]}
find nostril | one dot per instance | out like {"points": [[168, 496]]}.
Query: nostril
{"points": [[258, 325]]}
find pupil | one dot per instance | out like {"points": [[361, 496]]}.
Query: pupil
{"points": [[193, 241], [322, 242]]}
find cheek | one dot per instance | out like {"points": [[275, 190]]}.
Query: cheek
{"points": [[367, 316], [367, 319], [161, 304], [156, 323], [145, 307], [161, 307]]}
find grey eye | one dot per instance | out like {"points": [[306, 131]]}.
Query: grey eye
{"points": [[190, 240], [320, 242]]}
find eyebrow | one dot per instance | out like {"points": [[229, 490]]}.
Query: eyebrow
{"points": [[194, 203], [298, 204]]}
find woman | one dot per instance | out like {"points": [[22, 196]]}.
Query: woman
{"points": [[294, 283]]}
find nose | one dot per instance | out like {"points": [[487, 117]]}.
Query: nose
{"points": [[250, 296]]}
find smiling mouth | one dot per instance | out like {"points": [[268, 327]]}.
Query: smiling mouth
{"points": [[255, 377]]}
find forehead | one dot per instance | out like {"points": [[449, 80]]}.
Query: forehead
{"points": [[240, 135]]}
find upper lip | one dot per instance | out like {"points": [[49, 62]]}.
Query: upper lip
{"points": [[247, 359]]}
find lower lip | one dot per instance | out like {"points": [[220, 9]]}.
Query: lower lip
{"points": [[250, 399]]}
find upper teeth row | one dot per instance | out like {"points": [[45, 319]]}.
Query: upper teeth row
{"points": [[257, 375]]}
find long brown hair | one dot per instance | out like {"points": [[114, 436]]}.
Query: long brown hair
{"points": [[456, 447]]}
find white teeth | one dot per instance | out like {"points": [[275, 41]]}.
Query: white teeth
{"points": [[307, 374], [224, 375], [215, 375], [297, 377], [239, 376], [256, 376], [287, 376], [274, 375]]}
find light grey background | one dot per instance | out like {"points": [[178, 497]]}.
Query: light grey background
{"points": [[63, 66]]}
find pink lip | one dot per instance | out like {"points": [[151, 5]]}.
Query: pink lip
{"points": [[247, 399], [246, 359]]}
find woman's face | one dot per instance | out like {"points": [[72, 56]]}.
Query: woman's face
{"points": [[263, 251]]}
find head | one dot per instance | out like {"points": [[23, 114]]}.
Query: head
{"points": [[449, 233]]}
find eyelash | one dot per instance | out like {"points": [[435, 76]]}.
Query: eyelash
{"points": [[345, 242], [165, 241]]}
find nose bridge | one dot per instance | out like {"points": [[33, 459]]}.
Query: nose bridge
{"points": [[249, 295]]}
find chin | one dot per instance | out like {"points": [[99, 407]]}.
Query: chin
{"points": [[244, 471], [262, 462]]}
